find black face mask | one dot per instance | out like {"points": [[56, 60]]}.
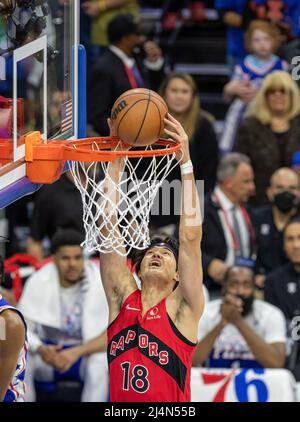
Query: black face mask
{"points": [[285, 201], [247, 304]]}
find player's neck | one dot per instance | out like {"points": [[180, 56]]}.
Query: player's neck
{"points": [[152, 294]]}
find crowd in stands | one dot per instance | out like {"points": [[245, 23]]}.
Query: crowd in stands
{"points": [[251, 226]]}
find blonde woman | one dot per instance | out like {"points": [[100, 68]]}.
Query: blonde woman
{"points": [[262, 40], [270, 134]]}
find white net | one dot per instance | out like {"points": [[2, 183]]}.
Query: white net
{"points": [[120, 222]]}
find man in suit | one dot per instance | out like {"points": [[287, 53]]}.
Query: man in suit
{"points": [[118, 70], [270, 221], [228, 234]]}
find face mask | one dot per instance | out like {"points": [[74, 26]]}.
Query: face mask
{"points": [[247, 304], [285, 201]]}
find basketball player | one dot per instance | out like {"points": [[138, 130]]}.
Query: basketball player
{"points": [[13, 349], [153, 331]]}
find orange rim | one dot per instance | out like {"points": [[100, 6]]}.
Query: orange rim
{"points": [[45, 159], [105, 146]]}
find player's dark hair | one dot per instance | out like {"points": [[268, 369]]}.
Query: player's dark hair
{"points": [[66, 237]]}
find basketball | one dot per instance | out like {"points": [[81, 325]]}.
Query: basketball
{"points": [[138, 116]]}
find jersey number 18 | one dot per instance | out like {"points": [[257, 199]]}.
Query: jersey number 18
{"points": [[135, 379]]}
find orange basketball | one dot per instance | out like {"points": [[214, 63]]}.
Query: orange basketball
{"points": [[138, 116]]}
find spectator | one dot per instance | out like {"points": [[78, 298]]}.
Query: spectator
{"points": [[58, 205], [262, 40], [65, 307], [180, 92], [239, 330], [231, 12], [118, 70], [173, 12], [282, 287], [270, 135], [101, 13], [270, 220], [237, 15], [228, 234], [181, 95]]}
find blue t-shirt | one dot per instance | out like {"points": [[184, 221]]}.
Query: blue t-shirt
{"points": [[235, 36]]}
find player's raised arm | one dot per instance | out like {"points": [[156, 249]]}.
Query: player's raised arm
{"points": [[117, 279], [190, 230]]}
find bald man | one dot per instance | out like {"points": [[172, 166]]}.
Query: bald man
{"points": [[270, 220]]}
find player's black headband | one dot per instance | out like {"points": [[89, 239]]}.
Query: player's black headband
{"points": [[156, 243], [166, 246]]}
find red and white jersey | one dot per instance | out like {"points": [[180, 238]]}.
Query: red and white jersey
{"points": [[149, 360]]}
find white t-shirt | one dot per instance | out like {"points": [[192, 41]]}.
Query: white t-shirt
{"points": [[230, 348], [71, 312], [71, 318]]}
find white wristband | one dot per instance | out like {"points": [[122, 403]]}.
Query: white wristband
{"points": [[187, 167]]}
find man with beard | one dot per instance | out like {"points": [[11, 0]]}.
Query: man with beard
{"points": [[239, 330], [270, 221], [65, 309]]}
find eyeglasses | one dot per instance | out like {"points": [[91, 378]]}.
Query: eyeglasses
{"points": [[272, 91]]}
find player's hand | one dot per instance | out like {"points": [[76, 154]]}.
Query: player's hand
{"points": [[91, 8], [112, 129], [49, 353], [176, 132], [113, 132], [66, 358]]}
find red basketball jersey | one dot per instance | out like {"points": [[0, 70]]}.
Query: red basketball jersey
{"points": [[149, 360]]}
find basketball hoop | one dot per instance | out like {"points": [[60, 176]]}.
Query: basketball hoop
{"points": [[144, 172]]}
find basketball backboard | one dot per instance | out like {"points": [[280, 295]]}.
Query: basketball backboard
{"points": [[41, 68]]}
